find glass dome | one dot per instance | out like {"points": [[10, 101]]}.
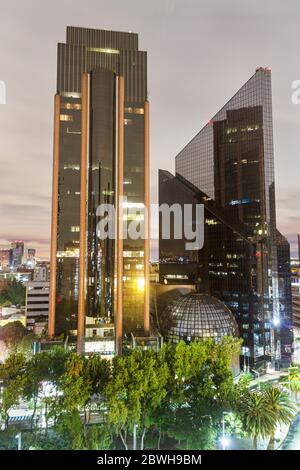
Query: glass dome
{"points": [[197, 316]]}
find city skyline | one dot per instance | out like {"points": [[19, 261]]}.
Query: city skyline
{"points": [[26, 189]]}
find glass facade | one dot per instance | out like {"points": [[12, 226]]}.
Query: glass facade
{"points": [[231, 159], [285, 326], [196, 317], [227, 267], [104, 55]]}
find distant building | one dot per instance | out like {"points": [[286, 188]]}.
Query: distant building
{"points": [[41, 273], [31, 257], [37, 304], [17, 253], [5, 258], [295, 268], [285, 326]]}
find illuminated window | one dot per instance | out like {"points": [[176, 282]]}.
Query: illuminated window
{"points": [[76, 106], [128, 122], [134, 110], [133, 254], [66, 117], [104, 50], [75, 228], [231, 130], [71, 166]]}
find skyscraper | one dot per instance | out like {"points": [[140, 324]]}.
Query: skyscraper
{"points": [[101, 156], [17, 253], [232, 161], [226, 267]]}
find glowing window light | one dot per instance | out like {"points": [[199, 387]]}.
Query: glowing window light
{"points": [[141, 284], [104, 50]]}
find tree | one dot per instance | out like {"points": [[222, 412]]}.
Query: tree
{"points": [[14, 294], [258, 421], [292, 381], [13, 333], [136, 390], [280, 407], [36, 373], [12, 375], [97, 373], [75, 387]]}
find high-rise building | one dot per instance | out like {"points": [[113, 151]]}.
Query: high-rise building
{"points": [[227, 267], [17, 253], [232, 161], [5, 257], [285, 326], [101, 156]]}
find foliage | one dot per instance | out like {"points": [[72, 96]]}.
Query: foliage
{"points": [[13, 333], [12, 376], [280, 407], [174, 398], [14, 294]]}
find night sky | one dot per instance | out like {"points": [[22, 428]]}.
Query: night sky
{"points": [[200, 52]]}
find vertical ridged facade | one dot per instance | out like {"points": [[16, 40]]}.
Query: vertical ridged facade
{"points": [[87, 275]]}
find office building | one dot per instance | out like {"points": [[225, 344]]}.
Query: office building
{"points": [[232, 161], [101, 155], [17, 253], [5, 257], [227, 267], [37, 305]]}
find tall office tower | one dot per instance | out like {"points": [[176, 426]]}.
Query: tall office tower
{"points": [[5, 258], [226, 267], [231, 159], [101, 156], [285, 326], [17, 253]]}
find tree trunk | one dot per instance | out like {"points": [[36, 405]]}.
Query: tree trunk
{"points": [[123, 439], [46, 418], [33, 414], [271, 445], [159, 439], [6, 420], [255, 443], [142, 439]]}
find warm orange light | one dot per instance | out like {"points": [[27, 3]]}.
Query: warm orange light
{"points": [[141, 284]]}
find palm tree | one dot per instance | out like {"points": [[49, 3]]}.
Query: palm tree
{"points": [[280, 407], [257, 419]]}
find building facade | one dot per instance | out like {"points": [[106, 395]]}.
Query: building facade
{"points": [[17, 253], [101, 156], [37, 305], [232, 161], [227, 267]]}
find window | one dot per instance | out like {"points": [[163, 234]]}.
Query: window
{"points": [[76, 106], [66, 117], [101, 49]]}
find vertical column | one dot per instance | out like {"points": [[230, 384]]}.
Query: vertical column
{"points": [[146, 220], [83, 216], [54, 218], [119, 203]]}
